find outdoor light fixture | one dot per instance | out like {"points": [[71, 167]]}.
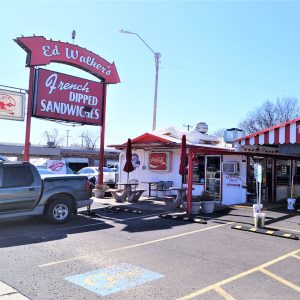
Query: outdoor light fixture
{"points": [[157, 56]]}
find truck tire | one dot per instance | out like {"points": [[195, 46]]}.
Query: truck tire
{"points": [[59, 211]]}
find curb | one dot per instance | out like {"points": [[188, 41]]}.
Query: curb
{"points": [[183, 218], [7, 292], [267, 231]]}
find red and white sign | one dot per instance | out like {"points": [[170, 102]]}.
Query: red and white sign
{"points": [[12, 105], [159, 161], [57, 166], [43, 52], [68, 98]]}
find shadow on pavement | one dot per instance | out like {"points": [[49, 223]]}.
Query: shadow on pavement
{"points": [[25, 231]]}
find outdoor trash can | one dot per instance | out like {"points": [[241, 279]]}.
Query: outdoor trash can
{"points": [[259, 220]]}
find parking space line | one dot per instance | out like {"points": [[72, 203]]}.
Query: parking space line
{"points": [[57, 262], [169, 237], [223, 293], [238, 276], [136, 245], [296, 256], [280, 279]]}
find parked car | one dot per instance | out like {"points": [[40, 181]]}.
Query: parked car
{"points": [[24, 192], [109, 176], [44, 171]]}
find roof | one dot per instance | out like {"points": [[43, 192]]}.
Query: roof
{"points": [[171, 138], [284, 133]]}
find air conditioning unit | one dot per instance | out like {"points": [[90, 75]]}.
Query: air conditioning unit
{"points": [[230, 167]]}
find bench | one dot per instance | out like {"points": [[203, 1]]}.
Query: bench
{"points": [[135, 195], [172, 202], [118, 194]]}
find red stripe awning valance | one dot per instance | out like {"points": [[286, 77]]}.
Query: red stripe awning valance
{"points": [[285, 133]]}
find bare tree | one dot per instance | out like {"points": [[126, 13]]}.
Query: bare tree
{"points": [[219, 132], [270, 114], [89, 140], [52, 138]]}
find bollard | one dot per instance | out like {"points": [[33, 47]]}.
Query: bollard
{"points": [[259, 220]]}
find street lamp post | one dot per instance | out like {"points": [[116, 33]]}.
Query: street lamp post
{"points": [[157, 56]]}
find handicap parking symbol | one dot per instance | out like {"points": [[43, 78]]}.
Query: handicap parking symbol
{"points": [[114, 279]]}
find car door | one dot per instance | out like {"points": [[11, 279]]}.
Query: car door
{"points": [[19, 189]]}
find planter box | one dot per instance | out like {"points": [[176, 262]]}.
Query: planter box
{"points": [[99, 193], [207, 207], [195, 208]]}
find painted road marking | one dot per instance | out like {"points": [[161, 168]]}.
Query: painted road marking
{"points": [[223, 293], [238, 276], [280, 279], [135, 245], [114, 279], [296, 256]]}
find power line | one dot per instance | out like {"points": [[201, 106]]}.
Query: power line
{"points": [[230, 79]]}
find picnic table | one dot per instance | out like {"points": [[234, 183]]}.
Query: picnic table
{"points": [[150, 183], [181, 197], [127, 192]]}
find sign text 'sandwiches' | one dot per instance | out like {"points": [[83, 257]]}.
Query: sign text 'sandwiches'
{"points": [[43, 52], [68, 98]]}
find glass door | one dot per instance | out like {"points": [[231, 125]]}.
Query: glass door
{"points": [[213, 176]]}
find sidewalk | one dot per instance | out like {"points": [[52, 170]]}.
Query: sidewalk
{"points": [[159, 204], [9, 293]]}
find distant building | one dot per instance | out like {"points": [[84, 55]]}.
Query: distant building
{"points": [[76, 158]]}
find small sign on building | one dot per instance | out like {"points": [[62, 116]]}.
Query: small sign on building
{"points": [[159, 161], [12, 105]]}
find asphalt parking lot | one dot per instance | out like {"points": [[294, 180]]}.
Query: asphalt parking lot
{"points": [[136, 254]]}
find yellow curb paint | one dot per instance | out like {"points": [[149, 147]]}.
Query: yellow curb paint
{"points": [[253, 229], [287, 235], [270, 232], [223, 293], [286, 229], [238, 276], [280, 279], [238, 227]]}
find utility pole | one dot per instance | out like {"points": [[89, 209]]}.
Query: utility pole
{"points": [[188, 127], [82, 136], [73, 36], [157, 57], [68, 137]]}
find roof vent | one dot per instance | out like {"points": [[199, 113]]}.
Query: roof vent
{"points": [[202, 127], [232, 134]]}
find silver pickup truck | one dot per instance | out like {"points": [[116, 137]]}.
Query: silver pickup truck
{"points": [[24, 193]]}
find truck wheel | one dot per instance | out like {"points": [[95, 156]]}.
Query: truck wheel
{"points": [[59, 211]]}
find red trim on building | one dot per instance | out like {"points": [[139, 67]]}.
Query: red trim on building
{"points": [[266, 131]]}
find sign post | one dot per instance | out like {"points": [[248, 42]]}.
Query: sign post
{"points": [[259, 217], [53, 95]]}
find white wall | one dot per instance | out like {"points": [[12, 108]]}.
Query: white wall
{"points": [[143, 174], [232, 191]]}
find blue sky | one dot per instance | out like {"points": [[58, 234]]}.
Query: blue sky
{"points": [[220, 59]]}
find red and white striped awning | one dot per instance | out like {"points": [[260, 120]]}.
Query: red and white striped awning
{"points": [[285, 133]]}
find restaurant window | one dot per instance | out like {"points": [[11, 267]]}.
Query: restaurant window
{"points": [[297, 172], [283, 171], [198, 169]]}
